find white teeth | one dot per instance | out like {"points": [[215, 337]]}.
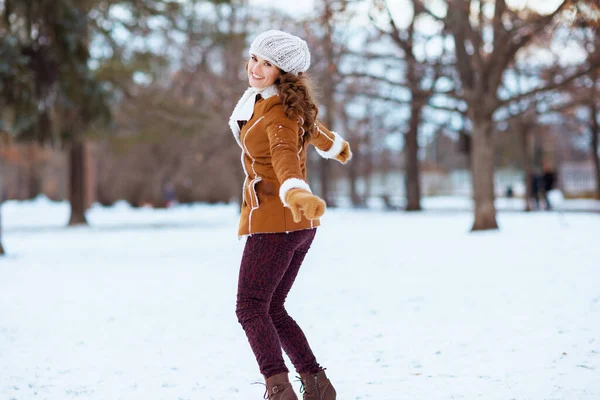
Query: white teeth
{"points": [[256, 76]]}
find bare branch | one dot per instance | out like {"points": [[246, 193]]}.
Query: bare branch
{"points": [[373, 56], [431, 13], [476, 40], [447, 108], [376, 96], [499, 31], [458, 18], [380, 79], [515, 41], [405, 44], [549, 87]]}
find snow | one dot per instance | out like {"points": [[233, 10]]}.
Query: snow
{"points": [[141, 305]]}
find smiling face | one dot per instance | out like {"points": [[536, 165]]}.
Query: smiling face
{"points": [[261, 73]]}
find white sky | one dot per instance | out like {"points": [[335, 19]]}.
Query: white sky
{"points": [[304, 7]]}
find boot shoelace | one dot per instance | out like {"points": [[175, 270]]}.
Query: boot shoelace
{"points": [[303, 387], [266, 395]]}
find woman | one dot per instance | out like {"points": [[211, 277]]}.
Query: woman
{"points": [[273, 122]]}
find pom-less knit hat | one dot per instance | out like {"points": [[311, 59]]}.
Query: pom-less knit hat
{"points": [[285, 51]]}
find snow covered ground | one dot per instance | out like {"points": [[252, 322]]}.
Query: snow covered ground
{"points": [[397, 306]]}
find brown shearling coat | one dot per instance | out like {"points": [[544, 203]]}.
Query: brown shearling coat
{"points": [[274, 161]]}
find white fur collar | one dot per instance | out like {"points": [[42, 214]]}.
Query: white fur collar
{"points": [[245, 107], [269, 91]]}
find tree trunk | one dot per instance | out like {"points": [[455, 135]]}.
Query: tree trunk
{"points": [[77, 183], [411, 160], [595, 144], [357, 200], [1, 201], [324, 176], [353, 173], [354, 166], [328, 85], [33, 183], [367, 168], [527, 170], [1, 247], [482, 170]]}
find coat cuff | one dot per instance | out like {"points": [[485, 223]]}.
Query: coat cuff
{"points": [[289, 184], [335, 148]]}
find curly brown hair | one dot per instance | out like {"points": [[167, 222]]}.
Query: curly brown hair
{"points": [[298, 97]]}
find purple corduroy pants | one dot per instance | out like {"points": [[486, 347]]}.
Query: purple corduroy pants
{"points": [[270, 264]]}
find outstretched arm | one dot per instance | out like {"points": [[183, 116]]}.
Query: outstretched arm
{"points": [[294, 191], [329, 144]]}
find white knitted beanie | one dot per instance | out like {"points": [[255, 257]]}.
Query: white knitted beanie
{"points": [[285, 51]]}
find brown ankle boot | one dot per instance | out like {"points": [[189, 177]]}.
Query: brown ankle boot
{"points": [[317, 386], [280, 388]]}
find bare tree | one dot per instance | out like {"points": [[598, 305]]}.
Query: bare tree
{"points": [[486, 44], [356, 137], [320, 33], [365, 133], [591, 100], [522, 120], [421, 72], [582, 116], [173, 131], [2, 252], [594, 116]]}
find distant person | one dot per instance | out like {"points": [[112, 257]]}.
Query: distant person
{"points": [[509, 192], [549, 183], [170, 195], [536, 188], [273, 123]]}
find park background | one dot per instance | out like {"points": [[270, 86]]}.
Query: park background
{"points": [[440, 276]]}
